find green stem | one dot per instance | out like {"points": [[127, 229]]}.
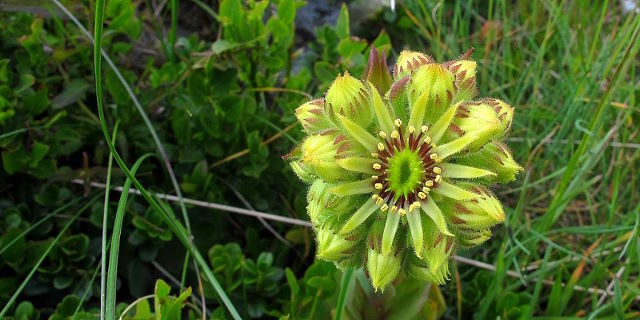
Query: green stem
{"points": [[105, 213], [344, 289], [112, 273]]}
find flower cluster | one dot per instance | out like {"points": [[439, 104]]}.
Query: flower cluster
{"points": [[398, 165]]}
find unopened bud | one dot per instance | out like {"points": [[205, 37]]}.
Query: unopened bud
{"points": [[472, 237], [382, 268], [437, 82], [485, 211], [319, 153], [332, 246], [303, 171], [495, 157], [377, 71], [312, 117], [348, 97], [479, 119], [409, 61], [465, 74]]}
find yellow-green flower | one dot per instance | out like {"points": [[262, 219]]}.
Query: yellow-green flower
{"points": [[398, 171]]}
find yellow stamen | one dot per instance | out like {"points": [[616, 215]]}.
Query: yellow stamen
{"points": [[378, 186], [379, 200], [374, 177], [424, 129], [398, 123], [426, 190], [433, 156], [437, 170], [422, 195], [394, 209], [384, 207], [380, 146], [377, 166], [382, 134], [395, 134], [438, 178], [412, 129], [427, 140], [402, 212], [373, 154], [429, 183], [417, 204]]}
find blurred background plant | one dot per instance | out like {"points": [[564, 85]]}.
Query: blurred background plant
{"points": [[219, 81]]}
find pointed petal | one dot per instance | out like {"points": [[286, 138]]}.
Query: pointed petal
{"points": [[439, 128], [454, 146], [452, 170], [415, 228], [450, 191], [359, 216], [389, 233], [383, 114], [360, 134], [432, 210], [418, 110], [358, 164], [353, 188]]}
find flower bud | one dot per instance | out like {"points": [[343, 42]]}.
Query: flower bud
{"points": [[419, 269], [312, 117], [465, 74], [437, 82], [504, 112], [303, 171], [333, 246], [348, 96], [377, 71], [382, 269], [409, 61], [319, 153], [398, 97], [479, 119], [471, 237], [438, 248], [481, 213], [495, 157], [326, 208]]}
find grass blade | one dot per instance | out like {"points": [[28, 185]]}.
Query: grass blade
{"points": [[112, 273], [105, 213], [179, 230], [344, 290]]}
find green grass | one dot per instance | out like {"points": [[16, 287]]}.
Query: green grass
{"points": [[571, 70]]}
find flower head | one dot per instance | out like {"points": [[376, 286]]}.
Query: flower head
{"points": [[398, 178]]}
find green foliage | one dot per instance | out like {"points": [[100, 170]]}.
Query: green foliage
{"points": [[252, 284]]}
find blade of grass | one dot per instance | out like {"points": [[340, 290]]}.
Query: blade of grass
{"points": [[344, 290], [105, 213], [558, 202], [33, 270], [163, 154], [181, 233], [112, 273]]}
